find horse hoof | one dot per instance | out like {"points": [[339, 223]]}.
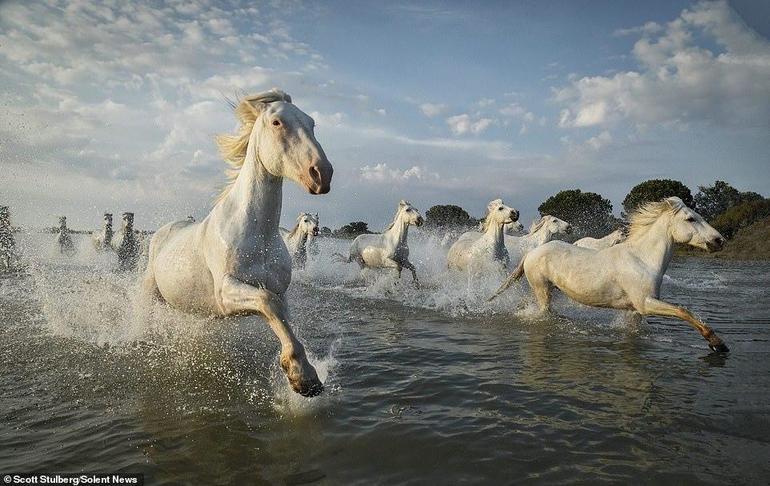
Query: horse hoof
{"points": [[719, 348], [311, 389]]}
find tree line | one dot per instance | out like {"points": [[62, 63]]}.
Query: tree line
{"points": [[723, 206]]}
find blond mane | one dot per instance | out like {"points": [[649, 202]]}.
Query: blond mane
{"points": [[233, 148], [536, 225], [487, 221], [294, 230], [647, 214], [395, 216]]}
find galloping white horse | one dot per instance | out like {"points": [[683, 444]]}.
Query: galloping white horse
{"points": [[102, 240], [625, 276], [298, 239], [64, 239], [234, 261], [540, 232], [126, 244], [474, 248], [389, 249], [611, 239]]}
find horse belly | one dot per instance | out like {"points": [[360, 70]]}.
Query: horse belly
{"points": [[589, 284], [373, 257], [182, 278]]}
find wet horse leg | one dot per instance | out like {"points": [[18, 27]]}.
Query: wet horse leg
{"points": [[654, 306], [239, 297]]}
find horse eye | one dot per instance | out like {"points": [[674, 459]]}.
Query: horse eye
{"points": [[499, 209], [276, 123], [690, 219]]}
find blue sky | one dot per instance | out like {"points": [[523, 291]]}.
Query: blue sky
{"points": [[114, 105]]}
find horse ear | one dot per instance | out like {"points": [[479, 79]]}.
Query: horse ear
{"points": [[316, 216], [494, 204], [403, 202], [674, 202]]}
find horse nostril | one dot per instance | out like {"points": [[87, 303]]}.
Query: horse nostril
{"points": [[315, 174]]}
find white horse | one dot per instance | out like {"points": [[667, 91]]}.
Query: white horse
{"points": [[63, 239], [298, 239], [389, 249], [628, 275], [234, 261], [540, 232], [126, 244], [487, 247], [103, 239], [611, 239]]}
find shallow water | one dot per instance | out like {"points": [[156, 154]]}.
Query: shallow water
{"points": [[422, 385]]}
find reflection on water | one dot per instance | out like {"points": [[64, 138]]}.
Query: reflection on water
{"points": [[422, 385]]}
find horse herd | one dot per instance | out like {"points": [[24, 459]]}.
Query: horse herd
{"points": [[237, 260], [125, 242]]}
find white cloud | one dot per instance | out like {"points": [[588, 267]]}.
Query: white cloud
{"points": [[433, 109], [678, 81], [462, 124], [383, 173]]}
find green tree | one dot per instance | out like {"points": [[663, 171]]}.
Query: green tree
{"points": [[712, 201], [741, 215], [589, 213], [447, 215], [655, 190]]}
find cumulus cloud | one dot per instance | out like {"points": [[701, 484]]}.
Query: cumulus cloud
{"points": [[678, 80], [383, 173], [464, 123], [433, 109]]}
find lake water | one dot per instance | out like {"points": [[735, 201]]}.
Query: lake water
{"points": [[425, 385]]}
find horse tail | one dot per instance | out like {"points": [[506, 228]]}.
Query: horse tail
{"points": [[340, 258], [514, 276]]}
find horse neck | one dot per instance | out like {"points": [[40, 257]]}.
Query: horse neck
{"points": [[539, 237], [252, 207], [495, 232], [655, 247], [397, 233], [299, 240]]}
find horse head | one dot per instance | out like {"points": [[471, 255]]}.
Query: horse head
{"points": [[409, 214], [284, 141], [689, 227], [498, 214], [308, 223], [512, 229]]}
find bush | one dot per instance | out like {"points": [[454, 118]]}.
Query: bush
{"points": [[655, 190], [353, 229], [588, 212], [447, 215], [741, 215]]}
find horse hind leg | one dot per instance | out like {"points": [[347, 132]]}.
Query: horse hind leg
{"points": [[541, 288]]}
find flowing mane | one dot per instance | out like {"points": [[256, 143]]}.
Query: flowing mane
{"points": [[645, 215], [536, 225], [486, 222], [395, 216], [233, 148], [294, 230]]}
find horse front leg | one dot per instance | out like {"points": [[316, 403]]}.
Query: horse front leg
{"points": [[238, 297], [657, 307], [408, 265]]}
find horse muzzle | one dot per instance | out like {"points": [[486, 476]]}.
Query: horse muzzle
{"points": [[419, 221], [715, 244], [319, 178]]}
